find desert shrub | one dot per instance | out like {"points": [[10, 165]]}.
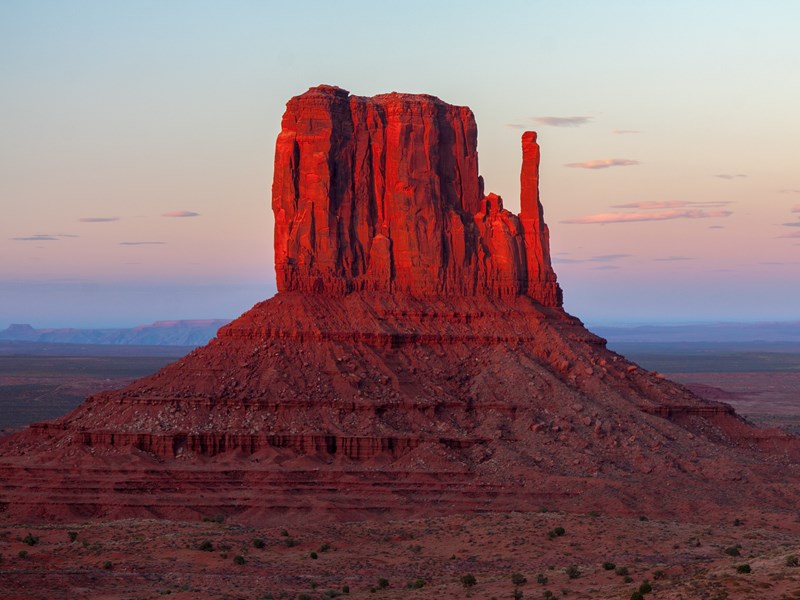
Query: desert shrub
{"points": [[107, 565], [745, 568], [383, 583], [346, 589], [518, 579], [621, 571], [733, 550], [609, 566], [304, 597], [72, 535], [22, 554], [214, 519], [792, 561], [517, 594], [324, 547], [548, 594], [572, 572], [289, 542], [313, 555], [645, 587], [559, 531], [416, 584], [643, 518], [331, 594], [284, 533], [206, 546], [737, 522], [31, 540], [627, 579], [637, 595], [239, 560], [594, 514], [659, 575], [468, 580], [259, 543], [541, 578]]}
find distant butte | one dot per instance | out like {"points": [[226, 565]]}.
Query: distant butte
{"points": [[416, 360]]}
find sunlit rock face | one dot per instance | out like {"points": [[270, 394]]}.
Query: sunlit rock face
{"points": [[383, 194]]}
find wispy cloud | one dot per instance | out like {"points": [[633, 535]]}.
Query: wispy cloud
{"points": [[631, 217], [36, 238], [98, 219], [794, 234], [624, 131], [790, 191], [729, 176], [605, 268], [796, 209], [648, 205], [141, 243], [716, 226], [674, 258], [180, 213], [795, 224], [603, 163], [602, 258], [562, 121]]}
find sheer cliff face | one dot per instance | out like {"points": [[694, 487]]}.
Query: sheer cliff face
{"points": [[383, 194]]}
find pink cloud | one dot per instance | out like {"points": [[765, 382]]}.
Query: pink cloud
{"points": [[180, 213], [98, 219], [603, 163], [729, 176], [649, 205], [563, 121], [624, 131], [648, 216], [794, 234]]}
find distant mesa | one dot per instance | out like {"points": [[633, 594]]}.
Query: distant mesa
{"points": [[416, 360]]}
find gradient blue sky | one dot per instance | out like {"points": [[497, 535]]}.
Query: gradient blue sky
{"points": [[136, 145]]}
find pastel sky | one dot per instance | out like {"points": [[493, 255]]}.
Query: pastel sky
{"points": [[137, 137]]}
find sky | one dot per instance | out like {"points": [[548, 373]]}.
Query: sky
{"points": [[137, 140]]}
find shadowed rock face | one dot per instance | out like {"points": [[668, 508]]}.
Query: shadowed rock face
{"points": [[415, 361], [383, 194]]}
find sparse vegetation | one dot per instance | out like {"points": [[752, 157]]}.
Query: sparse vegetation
{"points": [[659, 575], [72, 535], [289, 542], [206, 546], [645, 587], [31, 540], [556, 532], [621, 571], [609, 566], [637, 595], [383, 583], [22, 554], [792, 561], [468, 580], [313, 556], [518, 579], [284, 533], [541, 578], [745, 568], [416, 584], [572, 572], [517, 594], [239, 559], [733, 550], [324, 547], [259, 543], [107, 565]]}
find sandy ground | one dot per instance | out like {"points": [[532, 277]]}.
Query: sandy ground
{"points": [[149, 559]]}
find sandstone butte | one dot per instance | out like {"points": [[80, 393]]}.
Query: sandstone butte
{"points": [[416, 361]]}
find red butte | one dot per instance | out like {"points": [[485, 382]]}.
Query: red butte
{"points": [[416, 360], [383, 194]]}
